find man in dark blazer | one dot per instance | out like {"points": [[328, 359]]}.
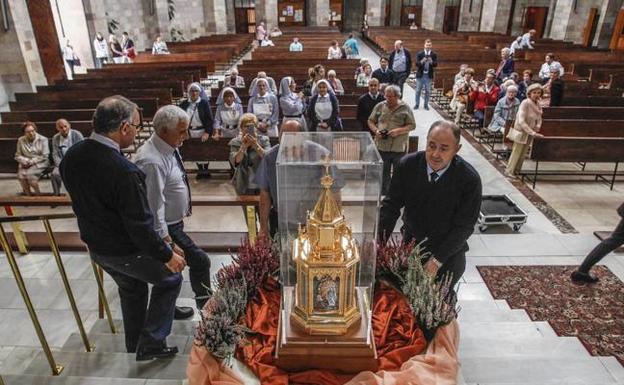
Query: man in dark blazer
{"points": [[108, 195], [367, 102], [426, 61], [615, 240], [200, 121], [440, 194], [400, 63], [384, 74]]}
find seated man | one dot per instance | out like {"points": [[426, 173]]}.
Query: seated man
{"points": [[270, 80], [367, 102], [550, 64], [295, 46], [61, 142], [527, 39], [440, 194], [234, 80], [32, 156]]}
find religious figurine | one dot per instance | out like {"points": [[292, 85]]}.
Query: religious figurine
{"points": [[326, 258]]}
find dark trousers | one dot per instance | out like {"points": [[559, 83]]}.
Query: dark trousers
{"points": [[202, 169], [71, 64], [146, 326], [273, 222], [605, 247], [401, 77], [196, 259], [390, 163]]}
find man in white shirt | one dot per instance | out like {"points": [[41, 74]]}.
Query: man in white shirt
{"points": [[550, 64], [527, 40], [169, 196], [295, 46]]}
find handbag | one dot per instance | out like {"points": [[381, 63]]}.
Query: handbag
{"points": [[77, 61], [515, 135], [131, 53]]}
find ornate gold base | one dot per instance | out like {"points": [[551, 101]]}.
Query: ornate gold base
{"points": [[315, 325], [351, 352]]}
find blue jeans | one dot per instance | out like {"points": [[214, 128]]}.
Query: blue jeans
{"points": [[146, 326], [423, 82]]}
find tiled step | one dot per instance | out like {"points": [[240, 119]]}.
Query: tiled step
{"points": [[115, 343], [494, 330], [472, 304], [537, 370], [101, 364], [183, 328], [63, 380], [525, 347]]}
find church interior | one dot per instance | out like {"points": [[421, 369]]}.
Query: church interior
{"points": [[502, 265]]}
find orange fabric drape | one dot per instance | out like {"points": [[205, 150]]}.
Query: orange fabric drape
{"points": [[398, 339]]}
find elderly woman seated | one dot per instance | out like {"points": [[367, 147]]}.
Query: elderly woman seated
{"points": [[246, 152], [364, 76], [335, 83], [32, 155], [505, 110]]}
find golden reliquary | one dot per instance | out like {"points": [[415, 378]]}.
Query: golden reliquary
{"points": [[326, 257]]}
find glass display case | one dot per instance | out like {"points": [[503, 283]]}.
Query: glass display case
{"points": [[328, 192]]}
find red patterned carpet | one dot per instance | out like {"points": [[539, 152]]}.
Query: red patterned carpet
{"points": [[593, 313]]}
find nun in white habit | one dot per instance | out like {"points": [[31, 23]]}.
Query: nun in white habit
{"points": [[229, 111], [263, 104], [292, 103]]}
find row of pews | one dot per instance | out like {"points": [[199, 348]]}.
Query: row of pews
{"points": [[587, 128], [151, 82]]}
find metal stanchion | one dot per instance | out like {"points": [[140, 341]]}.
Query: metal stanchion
{"points": [[56, 368], [18, 234], [102, 295], [252, 229], [70, 295]]}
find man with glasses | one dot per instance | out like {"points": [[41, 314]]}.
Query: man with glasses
{"points": [[108, 194]]}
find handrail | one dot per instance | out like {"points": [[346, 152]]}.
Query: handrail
{"points": [[46, 218]]}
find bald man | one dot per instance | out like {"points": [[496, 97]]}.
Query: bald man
{"points": [[266, 179], [441, 196], [61, 142]]}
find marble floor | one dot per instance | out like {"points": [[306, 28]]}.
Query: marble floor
{"points": [[498, 344]]}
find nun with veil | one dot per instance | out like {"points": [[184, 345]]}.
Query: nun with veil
{"points": [[264, 105], [292, 103], [228, 113]]}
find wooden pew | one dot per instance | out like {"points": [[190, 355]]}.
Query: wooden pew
{"points": [[149, 106]]}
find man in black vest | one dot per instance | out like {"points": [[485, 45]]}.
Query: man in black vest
{"points": [[108, 195], [367, 102], [400, 63], [441, 196], [426, 61]]}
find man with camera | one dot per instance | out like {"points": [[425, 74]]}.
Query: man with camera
{"points": [[390, 122], [426, 61]]}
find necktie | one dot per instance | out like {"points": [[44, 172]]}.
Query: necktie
{"points": [[434, 177], [176, 155]]}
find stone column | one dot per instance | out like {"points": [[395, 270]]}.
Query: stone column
{"points": [[608, 16], [14, 76], [266, 10], [215, 16], [433, 14], [156, 20], [376, 12], [95, 14], [318, 13], [469, 18], [495, 15], [561, 15], [396, 7], [28, 50], [231, 17]]}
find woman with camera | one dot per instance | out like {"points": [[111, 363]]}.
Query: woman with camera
{"points": [[246, 152]]}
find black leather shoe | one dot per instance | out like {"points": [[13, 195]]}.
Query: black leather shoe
{"points": [[150, 354], [183, 312], [578, 276]]}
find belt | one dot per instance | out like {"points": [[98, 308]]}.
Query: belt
{"points": [[293, 116]]}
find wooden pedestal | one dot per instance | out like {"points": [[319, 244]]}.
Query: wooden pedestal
{"points": [[350, 353]]}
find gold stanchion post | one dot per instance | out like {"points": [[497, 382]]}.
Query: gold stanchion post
{"points": [[70, 295], [56, 368], [102, 296]]}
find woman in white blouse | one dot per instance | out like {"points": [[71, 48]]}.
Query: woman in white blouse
{"points": [[334, 52]]}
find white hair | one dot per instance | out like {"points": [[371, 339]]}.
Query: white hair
{"points": [[396, 90], [512, 88], [505, 51], [169, 117], [331, 72], [398, 42]]}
